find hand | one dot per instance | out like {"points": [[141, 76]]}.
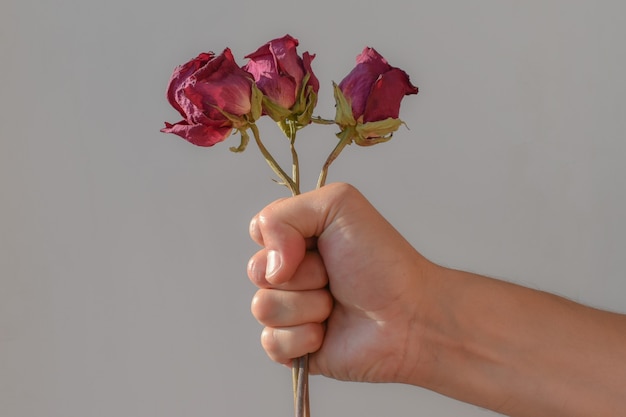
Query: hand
{"points": [[338, 281]]}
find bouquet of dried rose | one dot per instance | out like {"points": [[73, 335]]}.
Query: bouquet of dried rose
{"points": [[217, 97]]}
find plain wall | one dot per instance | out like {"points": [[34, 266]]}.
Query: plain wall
{"points": [[123, 289]]}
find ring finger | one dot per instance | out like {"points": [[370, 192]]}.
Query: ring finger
{"points": [[282, 344]]}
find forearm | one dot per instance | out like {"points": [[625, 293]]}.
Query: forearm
{"points": [[519, 351]]}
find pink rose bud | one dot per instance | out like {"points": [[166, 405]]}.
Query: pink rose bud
{"points": [[213, 95], [369, 98], [285, 78]]}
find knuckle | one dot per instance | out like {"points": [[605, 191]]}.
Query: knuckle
{"points": [[344, 189], [253, 229], [256, 269], [259, 306], [314, 337], [266, 222], [327, 305], [321, 306], [267, 339], [346, 196], [270, 344]]}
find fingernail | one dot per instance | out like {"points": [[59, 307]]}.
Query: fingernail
{"points": [[273, 263]]}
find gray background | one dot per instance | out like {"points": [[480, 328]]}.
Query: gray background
{"points": [[122, 250]]}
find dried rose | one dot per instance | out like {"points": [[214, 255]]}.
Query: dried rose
{"points": [[285, 78], [214, 96], [368, 98]]}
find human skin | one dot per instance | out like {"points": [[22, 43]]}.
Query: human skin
{"points": [[336, 280]]}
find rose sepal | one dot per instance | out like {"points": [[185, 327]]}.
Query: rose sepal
{"points": [[310, 101], [371, 133], [256, 103], [245, 138], [343, 108], [274, 110], [306, 102], [301, 112]]}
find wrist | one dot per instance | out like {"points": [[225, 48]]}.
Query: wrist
{"points": [[424, 335], [455, 343]]}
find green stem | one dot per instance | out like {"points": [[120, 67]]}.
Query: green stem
{"points": [[294, 155], [300, 366], [345, 138], [320, 121], [288, 182]]}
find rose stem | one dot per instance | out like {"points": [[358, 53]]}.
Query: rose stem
{"points": [[300, 365], [294, 155], [298, 371], [320, 121], [345, 137], [302, 386], [288, 182]]}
